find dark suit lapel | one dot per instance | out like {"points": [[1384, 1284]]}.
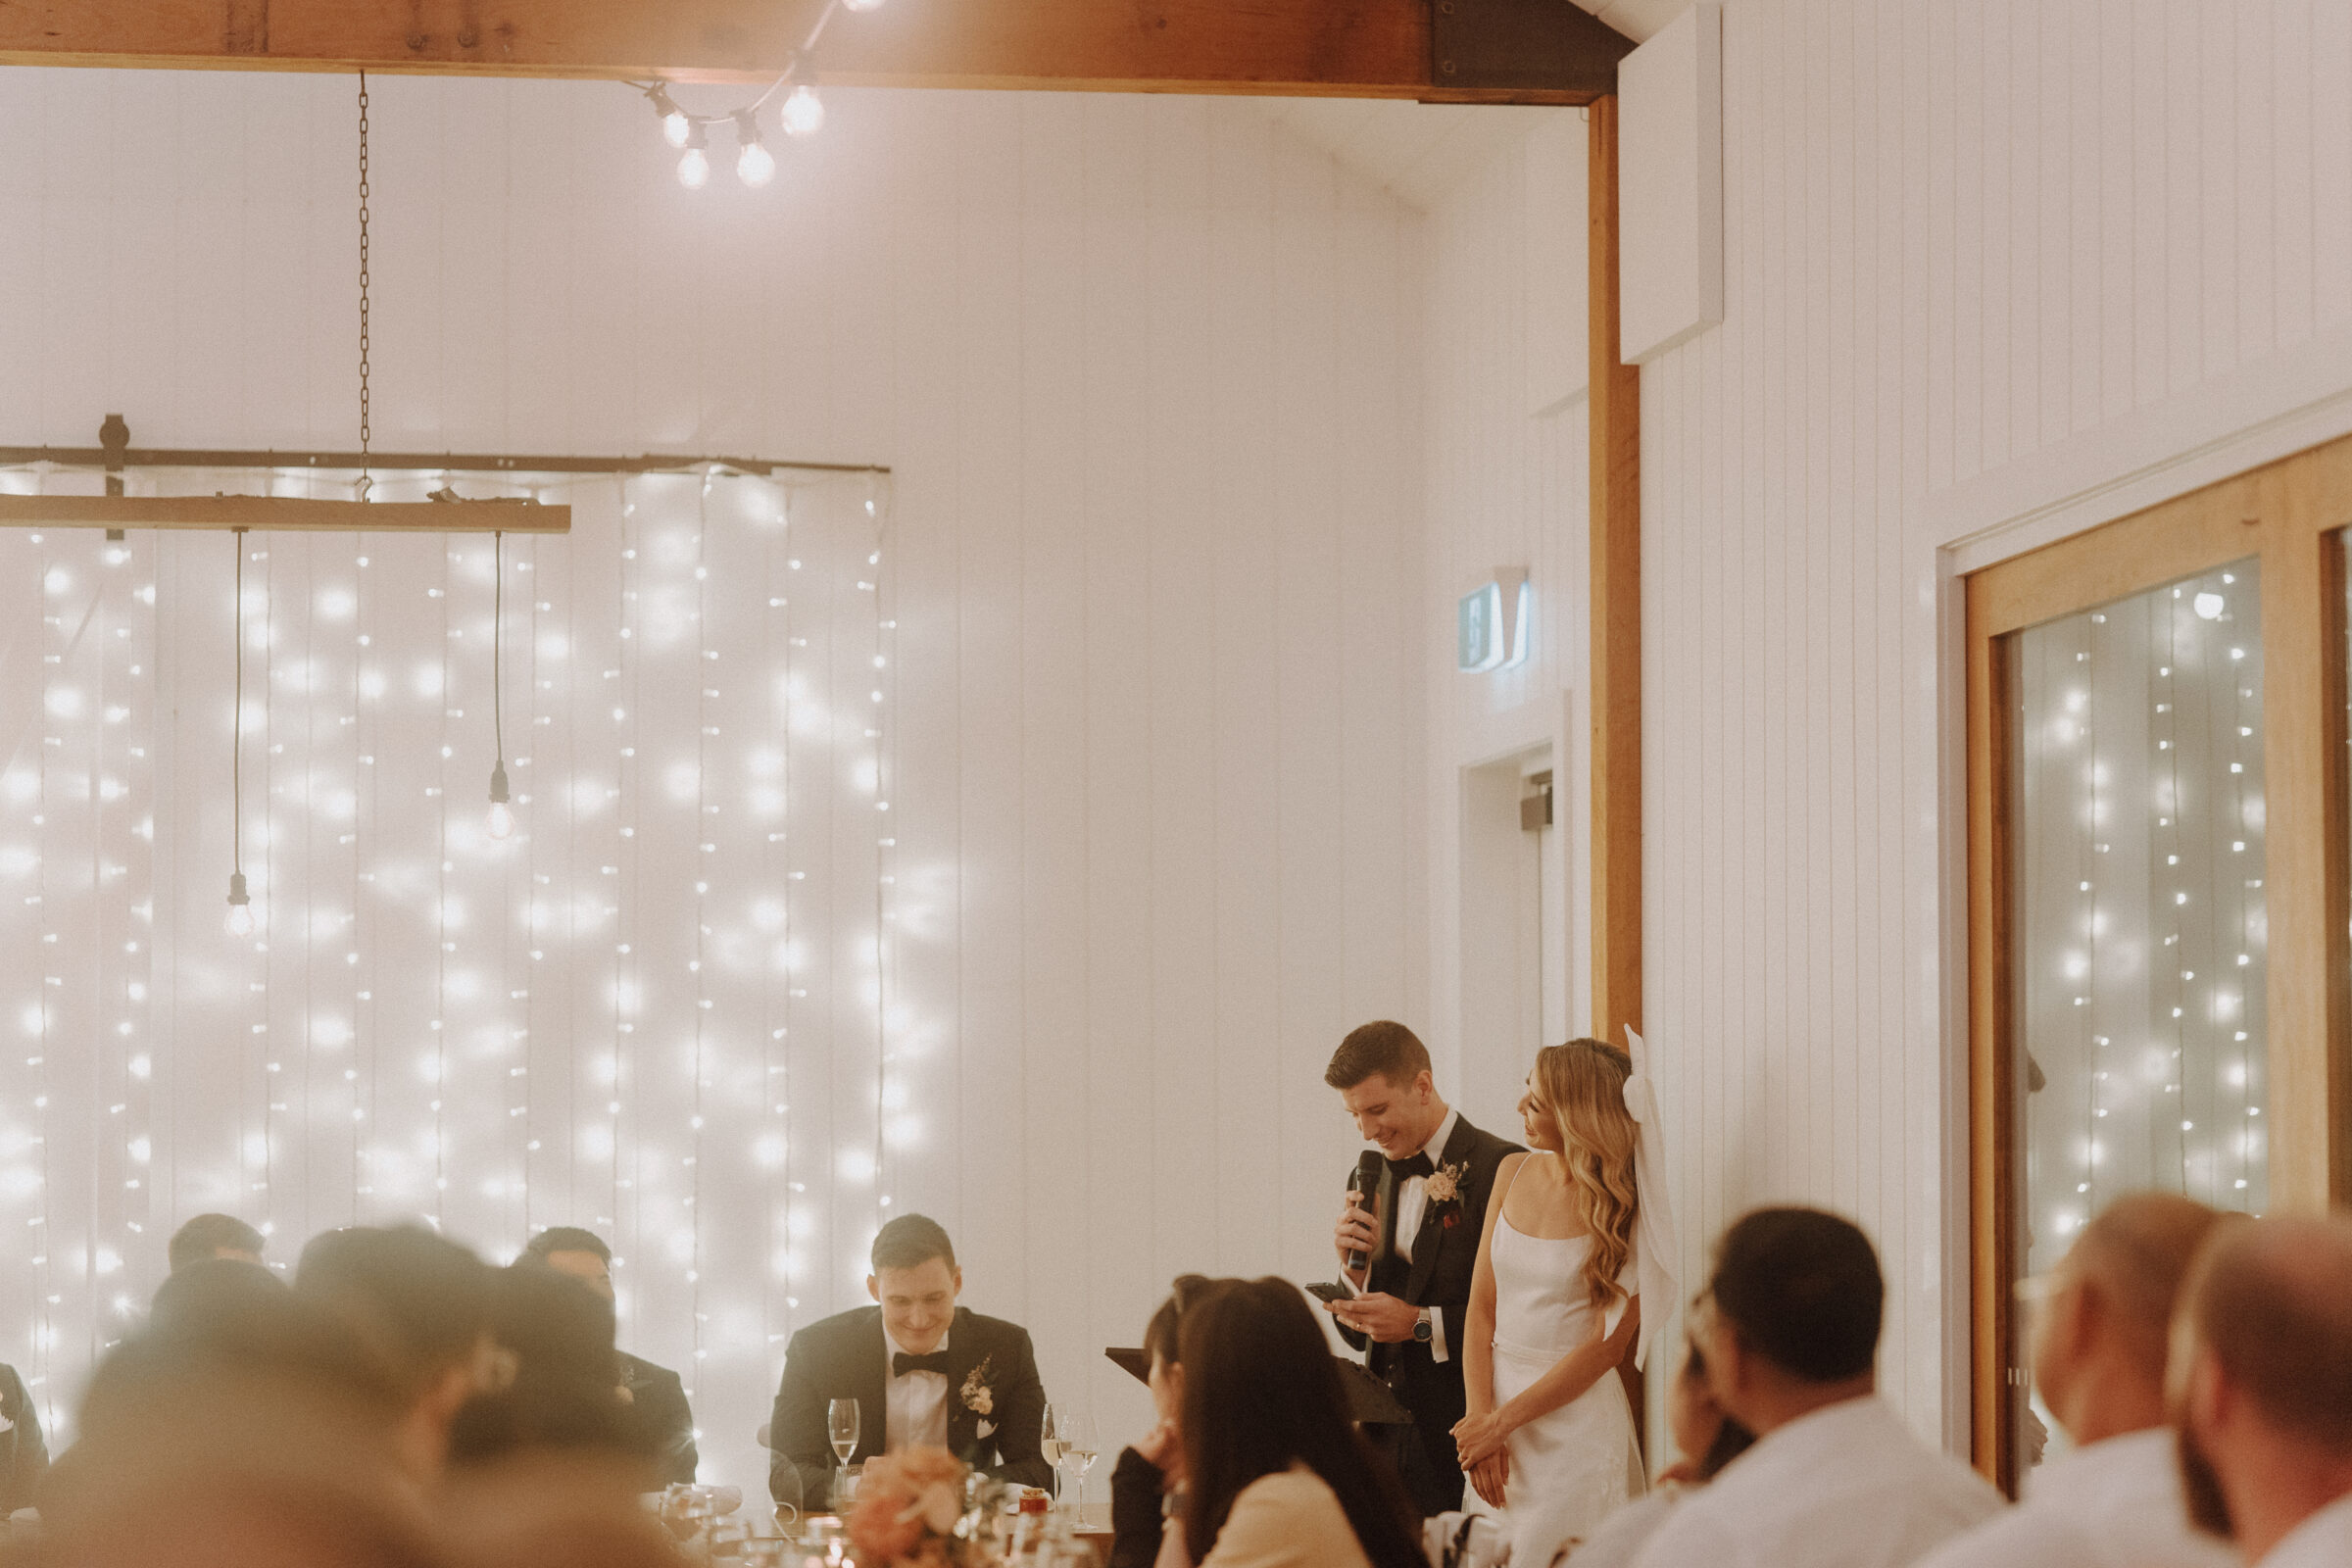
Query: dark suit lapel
{"points": [[870, 1383], [965, 1352], [1430, 1240]]}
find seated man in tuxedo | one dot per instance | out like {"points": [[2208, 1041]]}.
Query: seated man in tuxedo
{"points": [[923, 1371], [659, 1423]]}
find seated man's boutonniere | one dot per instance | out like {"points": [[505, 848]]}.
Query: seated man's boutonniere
{"points": [[1445, 1186], [978, 1398]]}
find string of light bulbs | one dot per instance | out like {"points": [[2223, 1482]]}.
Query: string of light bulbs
{"points": [[803, 112]]}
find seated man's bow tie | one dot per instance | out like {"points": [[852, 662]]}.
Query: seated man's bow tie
{"points": [[901, 1363], [1418, 1165]]}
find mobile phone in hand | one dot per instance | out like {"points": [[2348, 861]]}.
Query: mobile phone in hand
{"points": [[1329, 1292]]}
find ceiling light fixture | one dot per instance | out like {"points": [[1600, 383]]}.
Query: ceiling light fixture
{"points": [[240, 903]]}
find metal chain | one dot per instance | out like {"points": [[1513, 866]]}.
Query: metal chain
{"points": [[365, 483]]}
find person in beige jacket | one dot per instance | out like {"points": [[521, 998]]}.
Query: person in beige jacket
{"points": [[1266, 1469]]}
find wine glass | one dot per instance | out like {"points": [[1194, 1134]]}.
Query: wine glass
{"points": [[786, 1487], [841, 1428], [1051, 1440], [1080, 1447]]}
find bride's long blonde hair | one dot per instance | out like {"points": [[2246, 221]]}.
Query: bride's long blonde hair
{"points": [[1582, 1085]]}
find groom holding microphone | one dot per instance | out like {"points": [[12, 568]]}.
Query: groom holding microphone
{"points": [[1408, 1244]]}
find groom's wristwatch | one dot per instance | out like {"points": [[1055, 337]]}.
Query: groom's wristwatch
{"points": [[1421, 1328]]}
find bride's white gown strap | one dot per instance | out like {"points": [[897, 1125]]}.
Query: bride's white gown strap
{"points": [[1572, 1467]]}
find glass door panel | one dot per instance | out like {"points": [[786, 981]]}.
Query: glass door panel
{"points": [[2141, 927]]}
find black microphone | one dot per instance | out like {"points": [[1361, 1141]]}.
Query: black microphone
{"points": [[1367, 1183]]}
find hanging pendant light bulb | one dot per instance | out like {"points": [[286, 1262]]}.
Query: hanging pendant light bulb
{"points": [[500, 820], [239, 921], [694, 164], [755, 165], [240, 907], [676, 127], [804, 111]]}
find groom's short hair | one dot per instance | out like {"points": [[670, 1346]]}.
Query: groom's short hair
{"points": [[911, 1241], [1803, 1289], [1387, 1048]]}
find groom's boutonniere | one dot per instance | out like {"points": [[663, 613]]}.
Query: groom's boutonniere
{"points": [[1445, 1186], [979, 1399]]}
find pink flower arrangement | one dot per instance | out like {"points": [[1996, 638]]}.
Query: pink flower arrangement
{"points": [[907, 1507]]}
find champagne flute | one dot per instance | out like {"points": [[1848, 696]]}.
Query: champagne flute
{"points": [[1052, 1439], [1080, 1447], [841, 1429]]}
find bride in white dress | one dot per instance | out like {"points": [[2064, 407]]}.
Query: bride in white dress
{"points": [[1554, 1308]]}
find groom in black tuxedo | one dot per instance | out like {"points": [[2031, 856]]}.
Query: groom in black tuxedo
{"points": [[1419, 1232], [923, 1371]]}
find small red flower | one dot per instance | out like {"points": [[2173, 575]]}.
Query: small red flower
{"points": [[1452, 1219]]}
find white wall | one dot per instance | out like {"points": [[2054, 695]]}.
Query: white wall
{"points": [[1985, 265], [1145, 368], [1506, 488], [1957, 237]]}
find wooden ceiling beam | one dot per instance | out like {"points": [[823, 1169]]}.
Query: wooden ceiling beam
{"points": [[282, 514], [1350, 48]]}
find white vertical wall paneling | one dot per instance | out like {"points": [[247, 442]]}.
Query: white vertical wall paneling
{"points": [[1123, 1285], [1187, 1082], [1242, 326], [1558, 250], [1054, 736], [1146, 374], [1504, 489], [1309, 596], [1957, 242]]}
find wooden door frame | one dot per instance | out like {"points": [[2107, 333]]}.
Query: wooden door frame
{"points": [[2287, 513]]}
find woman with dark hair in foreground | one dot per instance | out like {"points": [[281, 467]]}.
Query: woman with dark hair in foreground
{"points": [[1273, 1472]]}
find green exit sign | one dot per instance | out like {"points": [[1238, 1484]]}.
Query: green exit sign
{"points": [[1490, 624]]}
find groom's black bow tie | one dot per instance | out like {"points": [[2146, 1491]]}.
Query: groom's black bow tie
{"points": [[1418, 1165], [901, 1363]]}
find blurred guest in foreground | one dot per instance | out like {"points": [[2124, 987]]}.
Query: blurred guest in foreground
{"points": [[652, 1398], [1274, 1473], [1790, 1325], [1149, 1471], [210, 1236], [2100, 1329], [2261, 1390], [24, 1457], [242, 1427], [542, 1466], [420, 1306], [1708, 1440]]}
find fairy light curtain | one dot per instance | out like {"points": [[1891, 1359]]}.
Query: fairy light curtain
{"points": [[2143, 956], [657, 1008]]}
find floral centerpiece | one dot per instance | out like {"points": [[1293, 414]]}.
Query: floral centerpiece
{"points": [[915, 1509]]}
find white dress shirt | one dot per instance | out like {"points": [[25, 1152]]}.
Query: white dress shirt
{"points": [[917, 1404], [2323, 1541], [1412, 1206], [2113, 1505], [1846, 1487], [1413, 1197], [1618, 1542]]}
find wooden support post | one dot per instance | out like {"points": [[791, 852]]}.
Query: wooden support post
{"points": [[1615, 587]]}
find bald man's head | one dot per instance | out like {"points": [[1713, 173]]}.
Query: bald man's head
{"points": [[2102, 1334], [2262, 1369]]}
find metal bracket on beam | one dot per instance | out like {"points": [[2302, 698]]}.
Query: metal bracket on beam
{"points": [[1523, 46]]}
